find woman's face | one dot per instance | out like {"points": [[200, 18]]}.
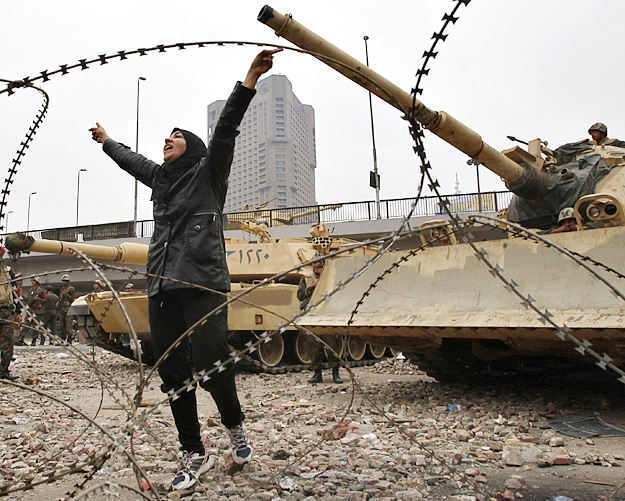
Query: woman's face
{"points": [[174, 147]]}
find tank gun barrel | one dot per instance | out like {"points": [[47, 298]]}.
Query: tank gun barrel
{"points": [[127, 252], [438, 122]]}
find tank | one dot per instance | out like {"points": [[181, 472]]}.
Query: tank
{"points": [[249, 263], [484, 304]]}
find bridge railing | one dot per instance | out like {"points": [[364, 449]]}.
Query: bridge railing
{"points": [[364, 211], [312, 214]]}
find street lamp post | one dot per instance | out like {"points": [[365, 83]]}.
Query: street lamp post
{"points": [[375, 181], [477, 173], [137, 150], [78, 193], [28, 214], [6, 225]]}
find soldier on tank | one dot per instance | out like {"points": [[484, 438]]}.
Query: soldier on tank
{"points": [[66, 298], [50, 313], [567, 221], [35, 300], [599, 134], [97, 286], [305, 290]]}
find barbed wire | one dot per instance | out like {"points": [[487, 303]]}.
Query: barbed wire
{"points": [[137, 420], [24, 145]]}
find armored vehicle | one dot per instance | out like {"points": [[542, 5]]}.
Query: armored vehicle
{"points": [[470, 304], [263, 307]]}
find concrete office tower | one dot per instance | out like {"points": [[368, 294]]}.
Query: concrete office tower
{"points": [[274, 157]]}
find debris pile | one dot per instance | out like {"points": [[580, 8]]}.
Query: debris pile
{"points": [[434, 440], [398, 366]]}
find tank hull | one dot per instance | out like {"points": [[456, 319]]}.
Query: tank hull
{"points": [[262, 309], [446, 294]]}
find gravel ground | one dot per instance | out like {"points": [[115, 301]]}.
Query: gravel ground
{"points": [[313, 442]]}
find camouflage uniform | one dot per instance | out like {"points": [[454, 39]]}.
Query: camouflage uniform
{"points": [[50, 314], [7, 312], [66, 298], [6, 340], [36, 298], [606, 141]]}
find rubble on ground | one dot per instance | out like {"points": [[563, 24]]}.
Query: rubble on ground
{"points": [[309, 444]]}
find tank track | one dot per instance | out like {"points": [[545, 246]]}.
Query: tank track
{"points": [[246, 364], [249, 364]]}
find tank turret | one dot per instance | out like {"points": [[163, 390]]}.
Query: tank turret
{"points": [[543, 186]]}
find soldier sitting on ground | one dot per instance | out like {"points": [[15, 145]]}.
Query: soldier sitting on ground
{"points": [[599, 134], [305, 290]]}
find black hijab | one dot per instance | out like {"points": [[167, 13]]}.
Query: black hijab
{"points": [[171, 172]]}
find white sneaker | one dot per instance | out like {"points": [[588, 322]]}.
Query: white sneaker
{"points": [[242, 449], [193, 465]]}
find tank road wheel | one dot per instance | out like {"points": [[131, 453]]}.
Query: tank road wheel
{"points": [[356, 348], [392, 352], [375, 351], [270, 354], [303, 348]]}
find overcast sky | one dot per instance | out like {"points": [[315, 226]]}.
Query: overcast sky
{"points": [[529, 69]]}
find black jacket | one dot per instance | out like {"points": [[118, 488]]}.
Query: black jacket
{"points": [[188, 242]]}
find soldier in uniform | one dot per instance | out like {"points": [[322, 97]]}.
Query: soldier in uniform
{"points": [[566, 221], [36, 298], [7, 312], [305, 290], [50, 313], [599, 134], [97, 286], [66, 298]]}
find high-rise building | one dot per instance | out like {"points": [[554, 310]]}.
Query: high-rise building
{"points": [[274, 158]]}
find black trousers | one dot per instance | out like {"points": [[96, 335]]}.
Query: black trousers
{"points": [[171, 314]]}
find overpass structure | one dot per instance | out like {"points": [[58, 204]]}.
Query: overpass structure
{"points": [[355, 220]]}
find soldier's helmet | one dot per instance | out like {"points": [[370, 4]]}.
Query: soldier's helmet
{"points": [[318, 255], [99, 282], [36, 279], [130, 285], [567, 213], [598, 127], [65, 277], [49, 287]]}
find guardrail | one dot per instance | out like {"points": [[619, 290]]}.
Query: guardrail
{"points": [[312, 214]]}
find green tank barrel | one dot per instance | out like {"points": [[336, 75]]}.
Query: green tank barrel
{"points": [[438, 122]]}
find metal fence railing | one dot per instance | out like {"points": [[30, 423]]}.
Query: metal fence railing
{"points": [[313, 214], [363, 211]]}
